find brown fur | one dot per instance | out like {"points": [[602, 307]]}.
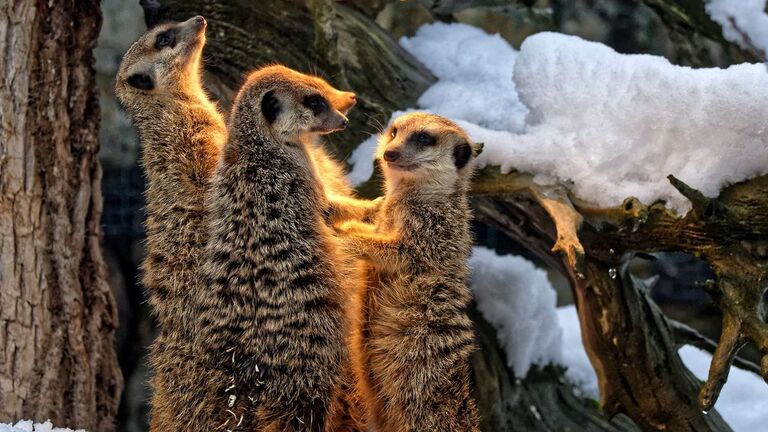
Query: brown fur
{"points": [[347, 412], [182, 134], [273, 315], [413, 340]]}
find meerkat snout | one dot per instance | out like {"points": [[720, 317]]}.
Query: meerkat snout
{"points": [[344, 101], [391, 155]]}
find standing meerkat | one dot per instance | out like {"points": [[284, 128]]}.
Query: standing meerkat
{"points": [[159, 83], [413, 340], [273, 314], [182, 133]]}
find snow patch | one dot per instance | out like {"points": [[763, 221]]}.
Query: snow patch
{"points": [[30, 426], [579, 370], [362, 161], [744, 398], [518, 300], [474, 71], [613, 125], [744, 22], [616, 125]]}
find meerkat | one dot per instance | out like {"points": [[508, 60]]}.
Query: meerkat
{"points": [[413, 339], [347, 413], [182, 133], [159, 83], [273, 313]]}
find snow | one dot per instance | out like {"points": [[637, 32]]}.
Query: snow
{"points": [[29, 426], [611, 125], [474, 71], [740, 18], [519, 301], [616, 125], [580, 371], [362, 161]]}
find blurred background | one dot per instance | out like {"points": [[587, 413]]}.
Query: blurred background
{"points": [[626, 25]]}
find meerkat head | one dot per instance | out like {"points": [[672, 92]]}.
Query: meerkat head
{"points": [[292, 106], [341, 100], [164, 59], [426, 146]]}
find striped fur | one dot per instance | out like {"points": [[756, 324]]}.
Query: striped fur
{"points": [[182, 134], [274, 309], [412, 339]]}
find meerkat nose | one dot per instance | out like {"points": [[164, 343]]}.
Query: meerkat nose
{"points": [[200, 20], [344, 123], [391, 155]]}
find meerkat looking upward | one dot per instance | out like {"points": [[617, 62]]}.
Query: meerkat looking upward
{"points": [[182, 133], [273, 313], [413, 340]]}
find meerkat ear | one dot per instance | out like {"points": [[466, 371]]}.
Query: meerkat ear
{"points": [[270, 106], [461, 154], [141, 81], [478, 148]]}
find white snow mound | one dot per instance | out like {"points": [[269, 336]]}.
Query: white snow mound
{"points": [[30, 426], [518, 300], [616, 125], [474, 71]]}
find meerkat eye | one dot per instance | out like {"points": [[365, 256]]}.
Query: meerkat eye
{"points": [[393, 132], [315, 103], [424, 139], [164, 39]]}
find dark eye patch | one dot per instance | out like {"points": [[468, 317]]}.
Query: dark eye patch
{"points": [[270, 106], [315, 103], [141, 81], [461, 155], [165, 39], [422, 139]]}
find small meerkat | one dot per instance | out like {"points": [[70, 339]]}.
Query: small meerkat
{"points": [[182, 133], [273, 314], [413, 339]]}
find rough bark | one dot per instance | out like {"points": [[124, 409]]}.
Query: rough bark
{"points": [[57, 313], [698, 40]]}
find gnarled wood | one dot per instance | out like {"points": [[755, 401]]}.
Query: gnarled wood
{"points": [[627, 338]]}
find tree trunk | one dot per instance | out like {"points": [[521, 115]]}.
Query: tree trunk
{"points": [[57, 313]]}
